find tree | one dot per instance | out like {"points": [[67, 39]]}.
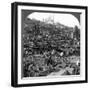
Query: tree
{"points": [[77, 33]]}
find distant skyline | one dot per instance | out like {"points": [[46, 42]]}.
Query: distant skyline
{"points": [[65, 19]]}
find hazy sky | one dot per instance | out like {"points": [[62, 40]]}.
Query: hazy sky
{"points": [[66, 19]]}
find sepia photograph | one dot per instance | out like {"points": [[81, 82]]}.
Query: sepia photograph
{"points": [[51, 44]]}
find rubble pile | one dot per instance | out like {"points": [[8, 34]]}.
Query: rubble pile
{"points": [[49, 48]]}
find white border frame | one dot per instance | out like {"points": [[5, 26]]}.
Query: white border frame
{"points": [[82, 57]]}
